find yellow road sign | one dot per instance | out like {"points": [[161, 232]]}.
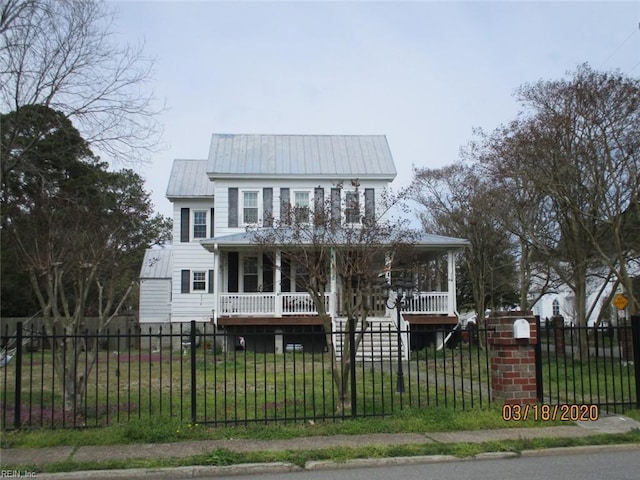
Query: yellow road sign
{"points": [[620, 301]]}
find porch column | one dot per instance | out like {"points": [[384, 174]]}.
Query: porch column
{"points": [[333, 301], [451, 267], [217, 282], [278, 283]]}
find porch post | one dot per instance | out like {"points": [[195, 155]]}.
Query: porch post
{"points": [[278, 283], [451, 267], [333, 301], [217, 282]]}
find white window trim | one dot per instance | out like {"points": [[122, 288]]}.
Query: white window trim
{"points": [[310, 197], [258, 192], [193, 281], [343, 200], [193, 224]]}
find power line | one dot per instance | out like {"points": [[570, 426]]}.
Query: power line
{"points": [[620, 46]]}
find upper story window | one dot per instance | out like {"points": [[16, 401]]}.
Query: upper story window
{"points": [[352, 207], [199, 224], [250, 207], [301, 206], [555, 306]]}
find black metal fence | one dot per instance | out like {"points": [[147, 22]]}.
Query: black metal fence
{"points": [[198, 374], [589, 365]]}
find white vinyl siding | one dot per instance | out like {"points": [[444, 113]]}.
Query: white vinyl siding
{"points": [[191, 256], [155, 300]]}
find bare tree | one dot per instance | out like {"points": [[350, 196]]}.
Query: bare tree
{"points": [[458, 202], [62, 54], [503, 158], [568, 170], [583, 135], [78, 230], [345, 248]]}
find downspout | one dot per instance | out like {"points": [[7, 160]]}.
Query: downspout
{"points": [[451, 264]]}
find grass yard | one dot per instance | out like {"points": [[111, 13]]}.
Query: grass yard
{"points": [[244, 388]]}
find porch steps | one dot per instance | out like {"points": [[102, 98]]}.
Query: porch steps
{"points": [[380, 341]]}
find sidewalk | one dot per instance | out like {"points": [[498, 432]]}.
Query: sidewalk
{"points": [[15, 458]]}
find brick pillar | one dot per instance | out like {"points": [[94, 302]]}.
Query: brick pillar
{"points": [[513, 360]]}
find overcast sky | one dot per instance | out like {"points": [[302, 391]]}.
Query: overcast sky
{"points": [[423, 73]]}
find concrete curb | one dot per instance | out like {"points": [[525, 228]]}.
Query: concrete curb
{"points": [[281, 467], [172, 473], [378, 462], [586, 449]]}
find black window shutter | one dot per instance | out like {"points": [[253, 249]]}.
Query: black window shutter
{"points": [[233, 207], [267, 207], [285, 204], [184, 281], [285, 280], [210, 281], [184, 224], [232, 285], [335, 205], [267, 273], [211, 227], [369, 204]]}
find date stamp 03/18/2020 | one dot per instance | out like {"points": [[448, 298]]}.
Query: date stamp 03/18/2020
{"points": [[544, 412]]}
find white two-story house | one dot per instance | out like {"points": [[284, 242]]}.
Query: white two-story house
{"points": [[219, 275]]}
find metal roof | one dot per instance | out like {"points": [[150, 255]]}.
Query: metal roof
{"points": [[423, 241], [320, 156], [189, 179], [157, 263]]}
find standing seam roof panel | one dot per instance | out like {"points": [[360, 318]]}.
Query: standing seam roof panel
{"points": [[189, 179], [298, 155]]}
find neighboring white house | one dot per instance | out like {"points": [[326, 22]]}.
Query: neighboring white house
{"points": [[247, 180], [561, 302]]}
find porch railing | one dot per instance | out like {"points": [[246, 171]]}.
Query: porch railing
{"points": [[247, 304], [428, 302], [268, 303], [301, 304]]}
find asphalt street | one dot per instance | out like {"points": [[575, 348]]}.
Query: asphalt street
{"points": [[622, 465]]}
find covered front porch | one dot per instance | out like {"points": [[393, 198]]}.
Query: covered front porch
{"points": [[269, 289]]}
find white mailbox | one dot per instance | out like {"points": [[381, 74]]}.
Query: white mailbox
{"points": [[521, 329]]}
